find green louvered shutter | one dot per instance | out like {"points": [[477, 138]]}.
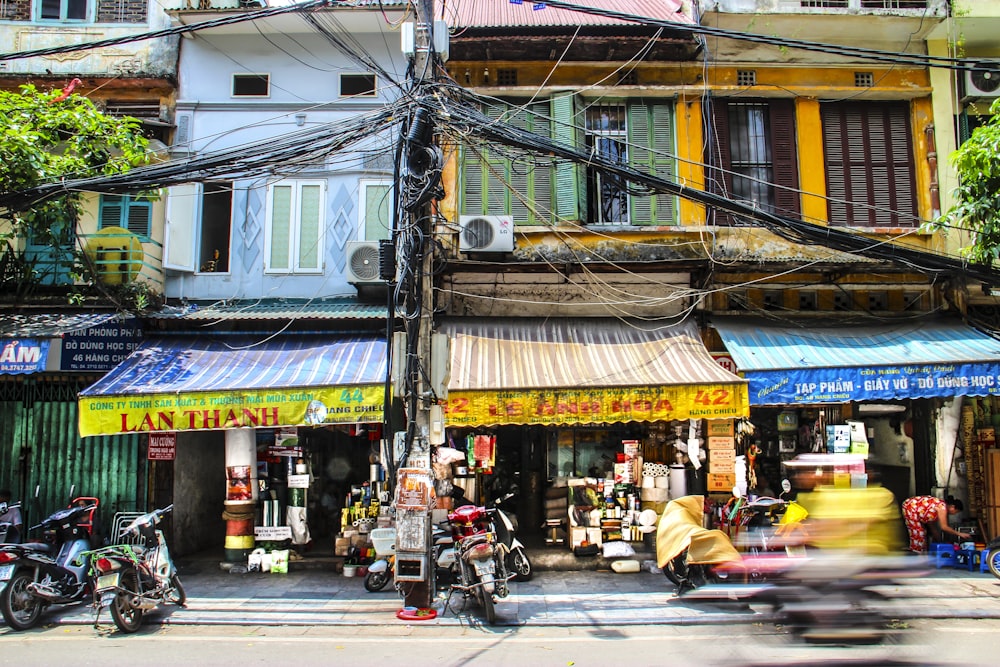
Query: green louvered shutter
{"points": [[651, 149], [540, 181], [568, 175]]}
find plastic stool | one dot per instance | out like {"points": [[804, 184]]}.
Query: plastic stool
{"points": [[966, 558], [943, 555], [984, 560]]}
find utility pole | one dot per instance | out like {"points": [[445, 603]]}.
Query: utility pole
{"points": [[414, 559]]}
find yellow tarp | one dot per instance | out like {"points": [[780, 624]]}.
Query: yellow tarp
{"points": [[680, 528]]}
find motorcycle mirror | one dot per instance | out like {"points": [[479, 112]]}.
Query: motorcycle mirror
{"points": [[786, 486]]}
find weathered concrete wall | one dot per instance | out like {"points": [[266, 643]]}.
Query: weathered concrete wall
{"points": [[199, 490]]}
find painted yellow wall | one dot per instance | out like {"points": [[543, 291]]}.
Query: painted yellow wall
{"points": [[690, 156]]}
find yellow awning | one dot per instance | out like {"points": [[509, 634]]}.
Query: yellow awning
{"points": [[584, 371]]}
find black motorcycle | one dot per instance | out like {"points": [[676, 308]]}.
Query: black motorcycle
{"points": [[35, 575]]}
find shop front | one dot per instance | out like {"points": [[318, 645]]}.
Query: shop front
{"points": [[262, 441], [590, 422], [912, 398]]}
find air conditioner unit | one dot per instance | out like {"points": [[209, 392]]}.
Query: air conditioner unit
{"points": [[362, 262], [486, 233], [984, 80]]}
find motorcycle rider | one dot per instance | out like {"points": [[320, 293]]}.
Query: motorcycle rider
{"points": [[11, 516]]}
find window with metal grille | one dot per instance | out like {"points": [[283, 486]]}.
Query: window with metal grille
{"points": [[843, 301], [773, 299], [737, 300], [825, 4], [251, 85], [506, 77], [753, 155], [864, 79], [894, 4], [607, 137], [746, 77], [870, 172], [807, 300]]}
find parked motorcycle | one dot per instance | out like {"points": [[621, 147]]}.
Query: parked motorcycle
{"points": [[383, 570], [34, 575], [506, 529], [481, 558], [132, 579], [7, 529], [993, 556]]}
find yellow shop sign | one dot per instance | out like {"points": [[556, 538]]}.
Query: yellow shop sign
{"points": [[201, 411], [596, 405]]}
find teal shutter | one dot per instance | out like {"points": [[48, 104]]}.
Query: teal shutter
{"points": [[281, 224], [651, 149], [111, 211], [310, 227], [568, 175]]}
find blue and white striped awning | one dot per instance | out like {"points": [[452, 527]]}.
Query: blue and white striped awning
{"points": [[175, 384], [810, 363]]}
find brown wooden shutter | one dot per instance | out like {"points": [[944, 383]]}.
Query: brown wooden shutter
{"points": [[720, 180], [870, 171], [783, 158]]}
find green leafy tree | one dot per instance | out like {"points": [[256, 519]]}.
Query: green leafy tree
{"points": [[977, 210], [45, 137]]}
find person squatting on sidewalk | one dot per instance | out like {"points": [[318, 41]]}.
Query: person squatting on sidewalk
{"points": [[922, 510]]}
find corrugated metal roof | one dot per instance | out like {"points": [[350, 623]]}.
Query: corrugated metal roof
{"points": [[758, 345], [175, 365], [575, 353], [49, 325], [500, 13], [276, 309]]}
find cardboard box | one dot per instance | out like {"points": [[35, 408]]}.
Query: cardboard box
{"points": [[721, 481], [580, 534], [721, 442], [722, 467], [341, 545], [838, 438], [723, 427]]}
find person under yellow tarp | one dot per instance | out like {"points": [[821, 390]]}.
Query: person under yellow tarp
{"points": [[863, 519]]}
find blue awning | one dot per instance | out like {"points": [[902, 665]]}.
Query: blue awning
{"points": [[815, 363], [179, 384]]}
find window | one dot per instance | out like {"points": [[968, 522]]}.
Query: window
{"points": [[126, 211], [64, 10], [607, 138], [357, 85], [199, 227], [870, 172], [251, 85], [537, 189], [375, 210], [499, 181], [294, 230], [754, 155]]}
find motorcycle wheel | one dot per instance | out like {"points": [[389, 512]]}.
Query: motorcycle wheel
{"points": [[486, 602], [176, 593], [20, 608], [376, 581], [993, 562], [676, 569], [520, 566], [126, 617]]}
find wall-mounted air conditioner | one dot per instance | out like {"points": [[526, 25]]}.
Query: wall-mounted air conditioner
{"points": [[486, 233], [984, 80], [362, 262]]}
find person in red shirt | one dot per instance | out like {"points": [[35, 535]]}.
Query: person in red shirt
{"points": [[922, 510]]}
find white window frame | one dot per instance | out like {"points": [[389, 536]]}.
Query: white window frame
{"points": [[296, 241], [232, 85], [366, 96], [363, 185]]}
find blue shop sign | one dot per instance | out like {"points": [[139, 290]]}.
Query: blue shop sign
{"points": [[874, 383], [23, 355]]}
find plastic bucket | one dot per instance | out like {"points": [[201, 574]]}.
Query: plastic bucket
{"points": [[350, 570]]}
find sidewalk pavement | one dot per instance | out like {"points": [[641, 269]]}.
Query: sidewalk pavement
{"points": [[591, 598]]}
